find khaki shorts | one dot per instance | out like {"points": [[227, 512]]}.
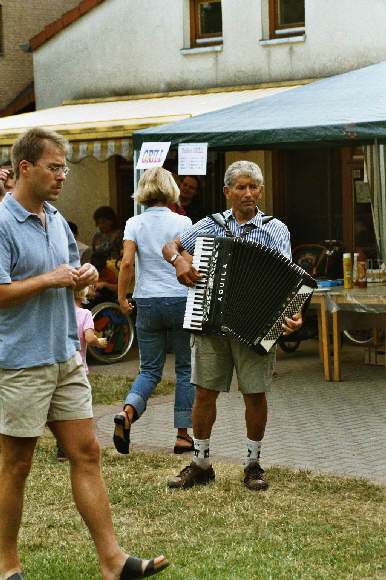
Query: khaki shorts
{"points": [[29, 398], [215, 356]]}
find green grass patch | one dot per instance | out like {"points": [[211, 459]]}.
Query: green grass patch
{"points": [[304, 526], [110, 389]]}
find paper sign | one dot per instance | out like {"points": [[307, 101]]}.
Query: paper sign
{"points": [[152, 155], [192, 158]]}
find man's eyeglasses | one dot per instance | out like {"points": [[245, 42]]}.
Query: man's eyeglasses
{"points": [[56, 169]]}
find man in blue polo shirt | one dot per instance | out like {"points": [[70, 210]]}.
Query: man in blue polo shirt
{"points": [[215, 356], [42, 378]]}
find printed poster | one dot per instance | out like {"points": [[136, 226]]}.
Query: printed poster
{"points": [[192, 158], [152, 155]]}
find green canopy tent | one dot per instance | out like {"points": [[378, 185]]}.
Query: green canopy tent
{"points": [[342, 110]]}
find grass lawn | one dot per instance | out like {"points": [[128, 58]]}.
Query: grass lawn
{"points": [[110, 389], [304, 526]]}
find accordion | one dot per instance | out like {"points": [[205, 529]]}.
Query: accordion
{"points": [[246, 291]]}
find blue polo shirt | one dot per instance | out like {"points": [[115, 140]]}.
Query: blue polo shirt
{"points": [[42, 330]]}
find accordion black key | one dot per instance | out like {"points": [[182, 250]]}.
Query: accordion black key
{"points": [[246, 291]]}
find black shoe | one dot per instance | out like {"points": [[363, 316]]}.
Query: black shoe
{"points": [[191, 475], [178, 449], [121, 434], [254, 476], [17, 576], [133, 568]]}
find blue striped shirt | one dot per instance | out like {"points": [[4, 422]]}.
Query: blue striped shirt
{"points": [[273, 234]]}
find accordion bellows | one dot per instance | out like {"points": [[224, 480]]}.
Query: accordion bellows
{"points": [[246, 291]]}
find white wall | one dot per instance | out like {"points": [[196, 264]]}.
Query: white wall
{"points": [[123, 47]]}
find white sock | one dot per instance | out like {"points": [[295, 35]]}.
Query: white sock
{"points": [[253, 451], [201, 453]]}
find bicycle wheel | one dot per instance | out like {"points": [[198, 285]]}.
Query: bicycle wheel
{"points": [[359, 336], [118, 328]]}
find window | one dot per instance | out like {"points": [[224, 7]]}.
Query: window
{"points": [[286, 18], [205, 23]]}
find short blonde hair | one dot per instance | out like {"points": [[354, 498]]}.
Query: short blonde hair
{"points": [[82, 293], [157, 185]]}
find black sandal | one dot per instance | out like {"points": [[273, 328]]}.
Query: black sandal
{"points": [[133, 568], [121, 434], [178, 449]]}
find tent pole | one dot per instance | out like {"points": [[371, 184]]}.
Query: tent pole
{"points": [[380, 178], [137, 174]]}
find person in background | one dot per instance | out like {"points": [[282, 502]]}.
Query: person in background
{"points": [[160, 302], [108, 240], [8, 178], [85, 323], [190, 191], [105, 289], [83, 249], [176, 206]]}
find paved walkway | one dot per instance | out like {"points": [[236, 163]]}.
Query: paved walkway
{"points": [[336, 428]]}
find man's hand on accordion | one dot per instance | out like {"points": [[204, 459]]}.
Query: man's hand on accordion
{"points": [[292, 324], [186, 273]]}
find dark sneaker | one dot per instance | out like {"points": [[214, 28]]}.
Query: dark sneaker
{"points": [[192, 475], [254, 476]]}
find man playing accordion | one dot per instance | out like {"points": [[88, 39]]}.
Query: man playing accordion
{"points": [[215, 356]]}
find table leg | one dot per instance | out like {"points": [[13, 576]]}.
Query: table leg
{"points": [[320, 341], [336, 344], [325, 340]]}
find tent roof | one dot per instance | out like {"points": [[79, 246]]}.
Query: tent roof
{"points": [[342, 109], [119, 117]]}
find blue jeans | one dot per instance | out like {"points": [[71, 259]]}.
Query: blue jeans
{"points": [[159, 321]]}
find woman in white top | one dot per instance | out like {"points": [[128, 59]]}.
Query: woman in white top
{"points": [[160, 301]]}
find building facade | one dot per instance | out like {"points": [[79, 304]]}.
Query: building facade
{"points": [[19, 21], [126, 47], [151, 51]]}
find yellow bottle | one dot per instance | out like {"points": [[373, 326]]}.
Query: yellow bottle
{"points": [[347, 271]]}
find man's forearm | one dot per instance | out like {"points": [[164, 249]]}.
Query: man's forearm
{"points": [[172, 248], [21, 291]]}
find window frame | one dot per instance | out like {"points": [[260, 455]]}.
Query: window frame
{"points": [[197, 39], [277, 30]]}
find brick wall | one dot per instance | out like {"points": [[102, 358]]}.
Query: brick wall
{"points": [[19, 23]]}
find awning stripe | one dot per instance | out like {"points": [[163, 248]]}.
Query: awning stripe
{"points": [[101, 150]]}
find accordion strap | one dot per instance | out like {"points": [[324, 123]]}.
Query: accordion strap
{"points": [[220, 220]]}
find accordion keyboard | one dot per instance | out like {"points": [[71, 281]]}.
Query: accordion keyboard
{"points": [[195, 298]]}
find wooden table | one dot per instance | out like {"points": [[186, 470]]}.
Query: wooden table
{"points": [[370, 299], [333, 300]]}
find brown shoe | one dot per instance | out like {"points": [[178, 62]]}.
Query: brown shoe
{"points": [[191, 475], [254, 476]]}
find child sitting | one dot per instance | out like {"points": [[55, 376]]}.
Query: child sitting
{"points": [[87, 336]]}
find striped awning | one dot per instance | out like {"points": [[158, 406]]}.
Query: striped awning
{"points": [[101, 150], [103, 128]]}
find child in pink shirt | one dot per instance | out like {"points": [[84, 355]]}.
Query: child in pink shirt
{"points": [[87, 336], [86, 327]]}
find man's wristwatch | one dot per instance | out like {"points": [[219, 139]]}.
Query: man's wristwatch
{"points": [[174, 258]]}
